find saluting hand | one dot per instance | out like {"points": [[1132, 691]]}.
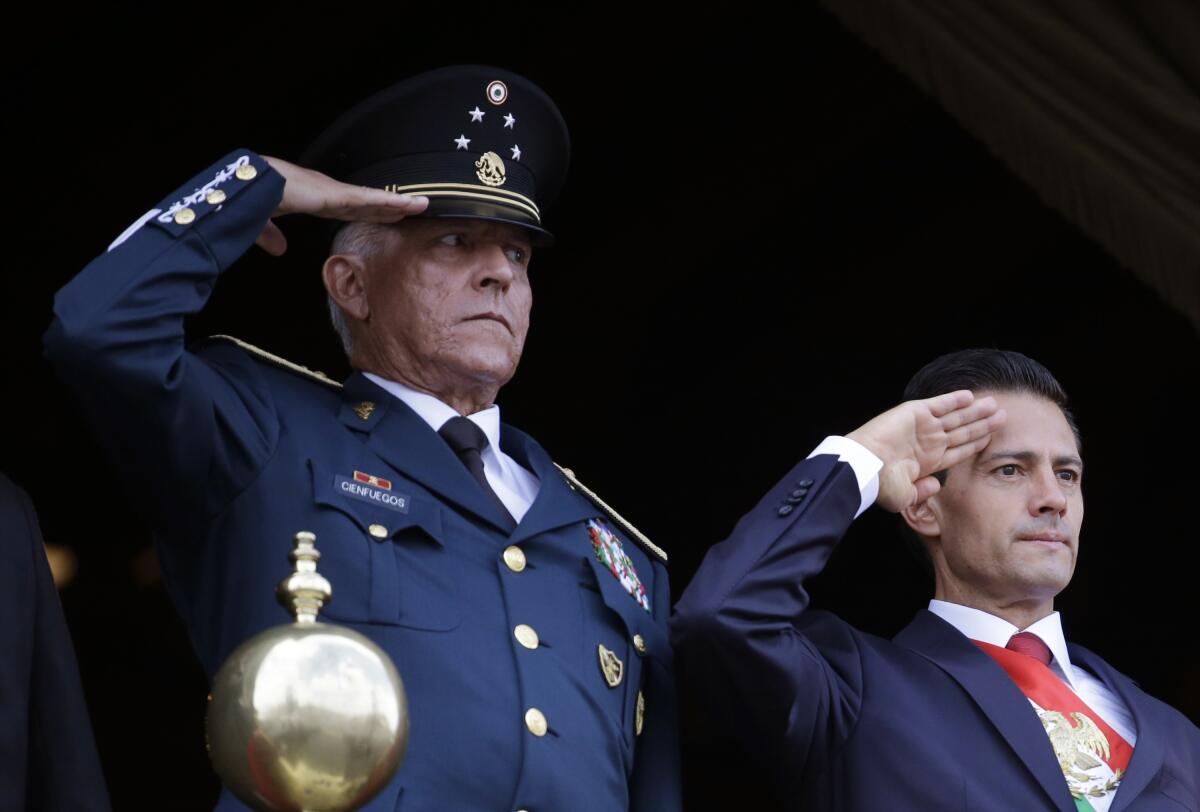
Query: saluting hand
{"points": [[920, 437], [307, 191]]}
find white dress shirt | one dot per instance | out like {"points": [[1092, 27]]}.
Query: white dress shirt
{"points": [[516, 486], [866, 466], [979, 625]]}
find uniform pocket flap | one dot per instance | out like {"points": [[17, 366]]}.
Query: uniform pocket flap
{"points": [[375, 504], [638, 622]]}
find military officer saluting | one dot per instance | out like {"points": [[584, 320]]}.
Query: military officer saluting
{"points": [[527, 619]]}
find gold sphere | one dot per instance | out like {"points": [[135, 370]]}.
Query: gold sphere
{"points": [[307, 716]]}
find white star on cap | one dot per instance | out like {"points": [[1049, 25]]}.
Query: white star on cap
{"points": [[476, 114], [516, 152], [462, 141], [509, 120]]}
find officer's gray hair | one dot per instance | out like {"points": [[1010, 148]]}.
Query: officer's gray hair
{"points": [[362, 239]]}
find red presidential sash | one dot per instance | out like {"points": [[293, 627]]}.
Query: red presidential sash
{"points": [[1092, 755]]}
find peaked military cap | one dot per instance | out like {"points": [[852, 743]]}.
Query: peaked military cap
{"points": [[477, 141]]}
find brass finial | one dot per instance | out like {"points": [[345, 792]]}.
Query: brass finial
{"points": [[305, 591]]}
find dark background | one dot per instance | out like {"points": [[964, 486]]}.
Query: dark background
{"points": [[765, 231]]}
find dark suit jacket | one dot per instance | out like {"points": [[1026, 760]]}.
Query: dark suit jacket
{"points": [[47, 754], [228, 454], [848, 721]]}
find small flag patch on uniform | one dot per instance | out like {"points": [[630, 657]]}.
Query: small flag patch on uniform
{"points": [[371, 489], [611, 553], [370, 479]]}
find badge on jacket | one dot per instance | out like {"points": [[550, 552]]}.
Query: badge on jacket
{"points": [[611, 553]]}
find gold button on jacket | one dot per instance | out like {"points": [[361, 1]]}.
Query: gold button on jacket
{"points": [[526, 636], [514, 558], [535, 720]]}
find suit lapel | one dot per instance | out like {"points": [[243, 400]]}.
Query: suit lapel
{"points": [[996, 695], [1148, 753], [557, 504], [404, 441]]}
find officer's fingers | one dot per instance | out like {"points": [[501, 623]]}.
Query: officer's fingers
{"points": [[979, 409], [949, 402], [957, 454], [974, 430], [387, 209], [365, 197], [272, 240], [926, 487], [403, 206]]}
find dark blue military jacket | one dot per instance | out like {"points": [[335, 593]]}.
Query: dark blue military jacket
{"points": [[229, 453], [849, 721]]}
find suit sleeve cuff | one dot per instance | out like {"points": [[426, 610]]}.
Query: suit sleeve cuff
{"points": [[866, 466]]}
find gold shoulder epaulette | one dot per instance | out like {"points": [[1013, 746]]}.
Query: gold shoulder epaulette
{"points": [[612, 514], [271, 358]]}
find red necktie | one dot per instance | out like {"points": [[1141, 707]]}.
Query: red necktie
{"points": [[1030, 645], [1083, 742]]}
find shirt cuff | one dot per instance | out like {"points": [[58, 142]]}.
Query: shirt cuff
{"points": [[866, 466]]}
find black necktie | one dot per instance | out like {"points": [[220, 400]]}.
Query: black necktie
{"points": [[468, 441]]}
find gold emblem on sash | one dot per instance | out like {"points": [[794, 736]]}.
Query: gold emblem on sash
{"points": [[490, 169], [610, 666], [1079, 746]]}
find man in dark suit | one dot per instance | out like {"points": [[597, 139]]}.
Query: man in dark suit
{"points": [[527, 619], [48, 757], [979, 703]]}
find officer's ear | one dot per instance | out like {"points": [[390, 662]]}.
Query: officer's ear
{"points": [[923, 518], [344, 276]]}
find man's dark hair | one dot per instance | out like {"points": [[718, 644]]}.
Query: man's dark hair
{"points": [[991, 371]]}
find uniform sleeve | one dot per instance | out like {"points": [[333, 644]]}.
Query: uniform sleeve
{"points": [[185, 434], [782, 682], [656, 771]]}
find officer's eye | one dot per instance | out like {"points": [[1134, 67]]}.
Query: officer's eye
{"points": [[1007, 470], [517, 255], [1069, 475], [453, 240]]}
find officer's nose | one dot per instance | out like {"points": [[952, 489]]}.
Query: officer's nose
{"points": [[494, 268], [1047, 496]]}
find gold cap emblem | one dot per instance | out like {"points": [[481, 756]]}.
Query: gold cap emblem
{"points": [[490, 169], [610, 666]]}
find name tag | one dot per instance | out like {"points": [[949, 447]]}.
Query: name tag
{"points": [[370, 493]]}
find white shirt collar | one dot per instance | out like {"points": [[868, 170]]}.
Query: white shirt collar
{"points": [[987, 628], [435, 412]]}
